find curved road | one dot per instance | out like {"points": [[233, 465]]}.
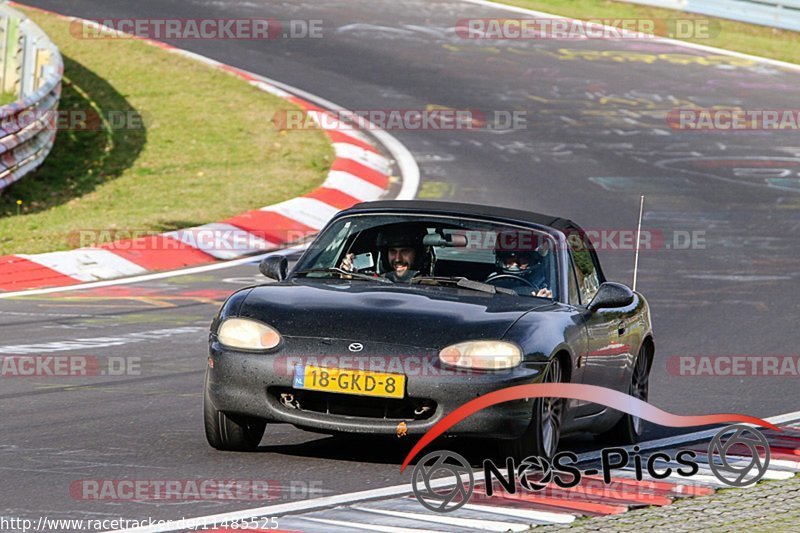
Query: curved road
{"points": [[596, 139]]}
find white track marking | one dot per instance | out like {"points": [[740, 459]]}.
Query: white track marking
{"points": [[352, 185], [472, 523], [364, 527], [270, 89], [92, 343], [151, 277], [86, 264], [367, 158], [538, 516], [309, 211], [664, 40]]}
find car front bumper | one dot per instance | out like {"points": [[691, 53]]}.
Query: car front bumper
{"points": [[259, 385]]}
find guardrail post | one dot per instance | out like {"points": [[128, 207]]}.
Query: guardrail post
{"points": [[28, 70], [31, 68], [12, 52]]}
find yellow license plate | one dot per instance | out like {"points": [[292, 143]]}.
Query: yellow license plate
{"points": [[346, 381]]}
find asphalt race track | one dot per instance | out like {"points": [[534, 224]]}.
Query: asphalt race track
{"points": [[592, 145]]}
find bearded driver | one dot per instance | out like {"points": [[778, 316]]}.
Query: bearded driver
{"points": [[401, 258], [401, 251]]}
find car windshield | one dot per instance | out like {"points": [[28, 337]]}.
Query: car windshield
{"points": [[435, 251]]}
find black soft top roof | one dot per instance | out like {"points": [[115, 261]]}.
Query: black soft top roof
{"points": [[456, 209]]}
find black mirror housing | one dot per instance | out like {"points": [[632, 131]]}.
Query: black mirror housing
{"points": [[453, 240], [274, 267], [611, 295]]}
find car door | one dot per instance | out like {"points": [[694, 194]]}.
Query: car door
{"points": [[579, 411], [608, 352]]}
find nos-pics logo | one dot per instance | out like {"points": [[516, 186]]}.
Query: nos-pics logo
{"points": [[443, 481]]}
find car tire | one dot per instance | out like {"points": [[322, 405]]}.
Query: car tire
{"points": [[230, 432], [630, 428], [542, 435]]}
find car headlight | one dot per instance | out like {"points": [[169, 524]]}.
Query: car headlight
{"points": [[483, 355], [248, 334]]}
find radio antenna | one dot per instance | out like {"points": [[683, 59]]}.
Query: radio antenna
{"points": [[638, 240]]}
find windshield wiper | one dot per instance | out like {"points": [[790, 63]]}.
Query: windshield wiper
{"points": [[463, 283], [334, 270]]}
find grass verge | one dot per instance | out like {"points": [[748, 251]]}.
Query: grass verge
{"points": [[8, 98], [183, 144], [783, 45]]}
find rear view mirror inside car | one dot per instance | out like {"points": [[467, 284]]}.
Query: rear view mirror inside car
{"points": [[450, 240]]}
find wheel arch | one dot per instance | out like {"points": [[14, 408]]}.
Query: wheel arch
{"points": [[565, 358], [649, 346]]}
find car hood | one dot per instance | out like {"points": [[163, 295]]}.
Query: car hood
{"points": [[430, 316]]}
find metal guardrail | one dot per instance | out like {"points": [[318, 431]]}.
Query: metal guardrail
{"points": [[783, 14], [31, 69]]}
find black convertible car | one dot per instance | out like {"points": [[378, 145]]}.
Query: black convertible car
{"points": [[399, 312]]}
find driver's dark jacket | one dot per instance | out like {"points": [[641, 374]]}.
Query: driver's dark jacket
{"points": [[534, 275]]}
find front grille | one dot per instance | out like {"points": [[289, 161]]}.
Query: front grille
{"points": [[356, 406]]}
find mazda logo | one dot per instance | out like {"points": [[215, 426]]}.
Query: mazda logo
{"points": [[356, 347]]}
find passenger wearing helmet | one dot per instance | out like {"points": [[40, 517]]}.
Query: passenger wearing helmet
{"points": [[518, 267]]}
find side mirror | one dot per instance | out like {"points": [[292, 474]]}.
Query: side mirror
{"points": [[611, 296], [274, 267]]}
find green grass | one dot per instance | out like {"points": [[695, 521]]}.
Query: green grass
{"points": [[7, 98], [207, 148], [739, 36]]}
